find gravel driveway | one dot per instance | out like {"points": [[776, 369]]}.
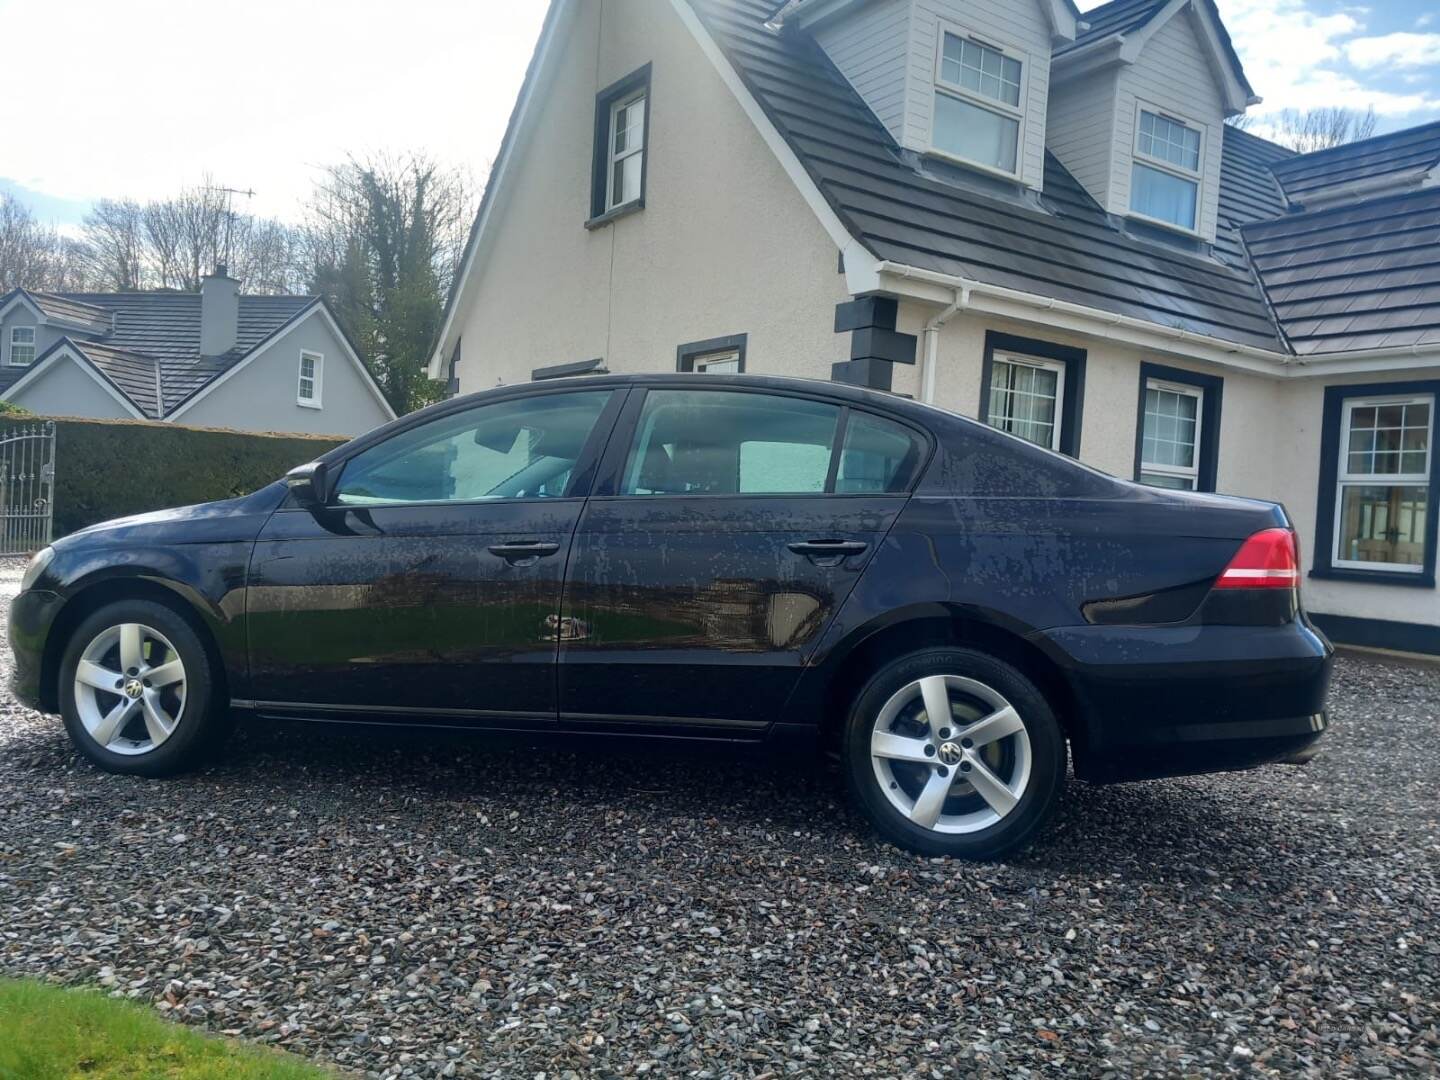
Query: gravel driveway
{"points": [[477, 912]]}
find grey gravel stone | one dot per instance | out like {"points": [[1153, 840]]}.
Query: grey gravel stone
{"points": [[409, 909]]}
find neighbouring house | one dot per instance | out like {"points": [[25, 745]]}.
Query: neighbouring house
{"points": [[1010, 210], [216, 358]]}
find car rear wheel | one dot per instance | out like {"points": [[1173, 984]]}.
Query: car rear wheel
{"points": [[954, 752], [137, 691]]}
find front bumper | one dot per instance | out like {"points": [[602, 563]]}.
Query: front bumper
{"points": [[1175, 701], [32, 614]]}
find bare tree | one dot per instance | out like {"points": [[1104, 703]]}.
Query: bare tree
{"points": [[114, 242], [1321, 128], [35, 256], [383, 239]]}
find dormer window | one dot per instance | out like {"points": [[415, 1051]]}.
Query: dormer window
{"points": [[1165, 178], [979, 91], [22, 346]]}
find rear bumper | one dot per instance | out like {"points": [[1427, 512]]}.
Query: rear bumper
{"points": [[1175, 701], [31, 616]]}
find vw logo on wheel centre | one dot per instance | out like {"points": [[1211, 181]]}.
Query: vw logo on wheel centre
{"points": [[950, 753]]}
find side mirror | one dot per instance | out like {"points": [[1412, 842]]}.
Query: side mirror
{"points": [[307, 483]]}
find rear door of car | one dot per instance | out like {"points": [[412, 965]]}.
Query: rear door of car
{"points": [[727, 526], [428, 587]]}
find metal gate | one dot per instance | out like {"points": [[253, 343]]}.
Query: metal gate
{"points": [[27, 487]]}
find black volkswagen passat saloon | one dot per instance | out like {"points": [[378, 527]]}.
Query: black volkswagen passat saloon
{"points": [[700, 557]]}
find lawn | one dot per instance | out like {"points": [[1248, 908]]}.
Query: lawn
{"points": [[47, 1033]]}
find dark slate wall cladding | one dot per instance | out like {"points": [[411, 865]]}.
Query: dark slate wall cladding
{"points": [[1365, 276], [1073, 253]]}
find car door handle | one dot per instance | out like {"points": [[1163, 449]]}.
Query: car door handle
{"points": [[524, 552], [829, 552]]}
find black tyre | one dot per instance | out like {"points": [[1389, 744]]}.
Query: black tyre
{"points": [[977, 783], [137, 691]]}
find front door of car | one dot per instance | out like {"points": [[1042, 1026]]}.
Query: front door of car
{"points": [[727, 527], [428, 586]]}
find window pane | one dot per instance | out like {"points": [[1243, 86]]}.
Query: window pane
{"points": [[1162, 196], [1388, 440], [1383, 524], [1171, 434], [1171, 483], [976, 134], [23, 335], [716, 442], [879, 456], [510, 450], [1025, 401], [1169, 141], [981, 70]]}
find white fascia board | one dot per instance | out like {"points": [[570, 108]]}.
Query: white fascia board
{"points": [[60, 352], [275, 339], [496, 186]]}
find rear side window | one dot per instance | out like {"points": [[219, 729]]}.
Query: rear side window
{"points": [[879, 456], [704, 442], [522, 449]]}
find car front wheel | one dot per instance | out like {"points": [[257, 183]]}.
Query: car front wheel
{"points": [[954, 752], [137, 690]]}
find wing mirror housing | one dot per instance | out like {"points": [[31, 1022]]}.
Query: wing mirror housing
{"points": [[309, 485]]}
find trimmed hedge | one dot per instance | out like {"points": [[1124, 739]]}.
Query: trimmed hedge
{"points": [[111, 468]]}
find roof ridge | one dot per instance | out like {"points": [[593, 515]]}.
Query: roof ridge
{"points": [[1359, 143]]}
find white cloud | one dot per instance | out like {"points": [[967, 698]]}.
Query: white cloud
{"points": [[1295, 59], [155, 94], [1394, 50]]}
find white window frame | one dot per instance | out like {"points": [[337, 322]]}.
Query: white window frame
{"points": [[1178, 472], [33, 343], [1345, 478], [317, 382], [1021, 360], [704, 361], [642, 95], [1162, 165], [1000, 108]]}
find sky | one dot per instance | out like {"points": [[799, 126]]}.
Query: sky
{"points": [[139, 98]]}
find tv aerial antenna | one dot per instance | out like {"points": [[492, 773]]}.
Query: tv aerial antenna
{"points": [[230, 193]]}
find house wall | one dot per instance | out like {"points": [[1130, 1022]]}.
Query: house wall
{"points": [[65, 389], [1081, 130], [1022, 26], [725, 244], [261, 395], [871, 48]]}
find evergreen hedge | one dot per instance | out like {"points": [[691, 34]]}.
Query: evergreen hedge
{"points": [[111, 468]]}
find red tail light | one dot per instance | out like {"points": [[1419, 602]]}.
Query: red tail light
{"points": [[1268, 560]]}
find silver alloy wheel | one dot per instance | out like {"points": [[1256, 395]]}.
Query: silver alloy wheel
{"points": [[951, 754], [130, 689]]}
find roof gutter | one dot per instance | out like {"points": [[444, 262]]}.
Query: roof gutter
{"points": [[970, 295]]}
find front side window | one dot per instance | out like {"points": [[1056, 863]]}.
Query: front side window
{"points": [[1170, 441], [978, 94], [1165, 177], [22, 346], [1383, 498], [1026, 398], [521, 449], [716, 442], [308, 392]]}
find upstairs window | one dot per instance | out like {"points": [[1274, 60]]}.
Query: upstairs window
{"points": [[1165, 178], [22, 346], [311, 369], [622, 135], [978, 93]]}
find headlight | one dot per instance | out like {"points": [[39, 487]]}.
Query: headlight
{"points": [[36, 568]]}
